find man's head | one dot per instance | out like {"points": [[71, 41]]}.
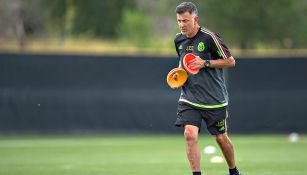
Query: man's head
{"points": [[187, 18]]}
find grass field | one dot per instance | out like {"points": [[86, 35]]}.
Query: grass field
{"points": [[144, 155]]}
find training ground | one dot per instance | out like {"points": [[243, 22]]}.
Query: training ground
{"points": [[145, 155]]}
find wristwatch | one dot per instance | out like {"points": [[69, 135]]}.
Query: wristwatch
{"points": [[207, 63]]}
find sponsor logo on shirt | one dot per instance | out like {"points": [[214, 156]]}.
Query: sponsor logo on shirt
{"points": [[189, 48], [221, 125], [180, 47]]}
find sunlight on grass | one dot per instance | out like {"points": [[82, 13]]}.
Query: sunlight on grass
{"points": [[84, 46]]}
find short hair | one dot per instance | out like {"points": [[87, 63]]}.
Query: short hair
{"points": [[187, 7]]}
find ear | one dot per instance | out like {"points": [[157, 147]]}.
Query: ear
{"points": [[196, 19]]}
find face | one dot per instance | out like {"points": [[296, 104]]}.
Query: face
{"points": [[187, 23]]}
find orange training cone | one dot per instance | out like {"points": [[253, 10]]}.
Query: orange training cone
{"points": [[182, 77]]}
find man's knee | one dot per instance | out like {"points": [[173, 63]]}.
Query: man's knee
{"points": [[191, 133], [222, 138]]}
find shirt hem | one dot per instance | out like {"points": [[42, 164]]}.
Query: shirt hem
{"points": [[202, 106]]}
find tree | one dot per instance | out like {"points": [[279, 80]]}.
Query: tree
{"points": [[248, 23], [21, 19]]}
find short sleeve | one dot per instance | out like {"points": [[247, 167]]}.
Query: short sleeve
{"points": [[217, 48]]}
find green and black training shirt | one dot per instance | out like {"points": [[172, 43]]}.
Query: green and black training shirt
{"points": [[207, 89]]}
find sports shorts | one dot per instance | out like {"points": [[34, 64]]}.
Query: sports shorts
{"points": [[215, 119]]}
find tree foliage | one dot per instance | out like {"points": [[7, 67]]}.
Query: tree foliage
{"points": [[135, 27], [247, 23], [94, 18], [243, 24]]}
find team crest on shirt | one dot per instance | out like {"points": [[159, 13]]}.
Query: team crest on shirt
{"points": [[201, 47]]}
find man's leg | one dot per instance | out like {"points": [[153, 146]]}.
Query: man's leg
{"points": [[192, 148], [228, 151], [227, 148]]}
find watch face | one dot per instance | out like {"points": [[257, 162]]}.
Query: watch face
{"points": [[207, 63]]}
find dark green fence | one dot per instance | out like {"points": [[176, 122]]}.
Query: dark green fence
{"points": [[57, 93]]}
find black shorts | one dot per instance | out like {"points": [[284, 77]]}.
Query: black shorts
{"points": [[215, 119]]}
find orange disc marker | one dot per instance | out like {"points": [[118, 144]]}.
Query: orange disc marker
{"points": [[179, 81], [186, 59]]}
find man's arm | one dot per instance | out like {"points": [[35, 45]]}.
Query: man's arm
{"points": [[220, 53], [223, 63], [199, 63]]}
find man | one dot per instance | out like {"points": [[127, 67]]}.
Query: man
{"points": [[204, 95]]}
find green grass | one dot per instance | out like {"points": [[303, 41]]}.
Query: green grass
{"points": [[144, 155]]}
